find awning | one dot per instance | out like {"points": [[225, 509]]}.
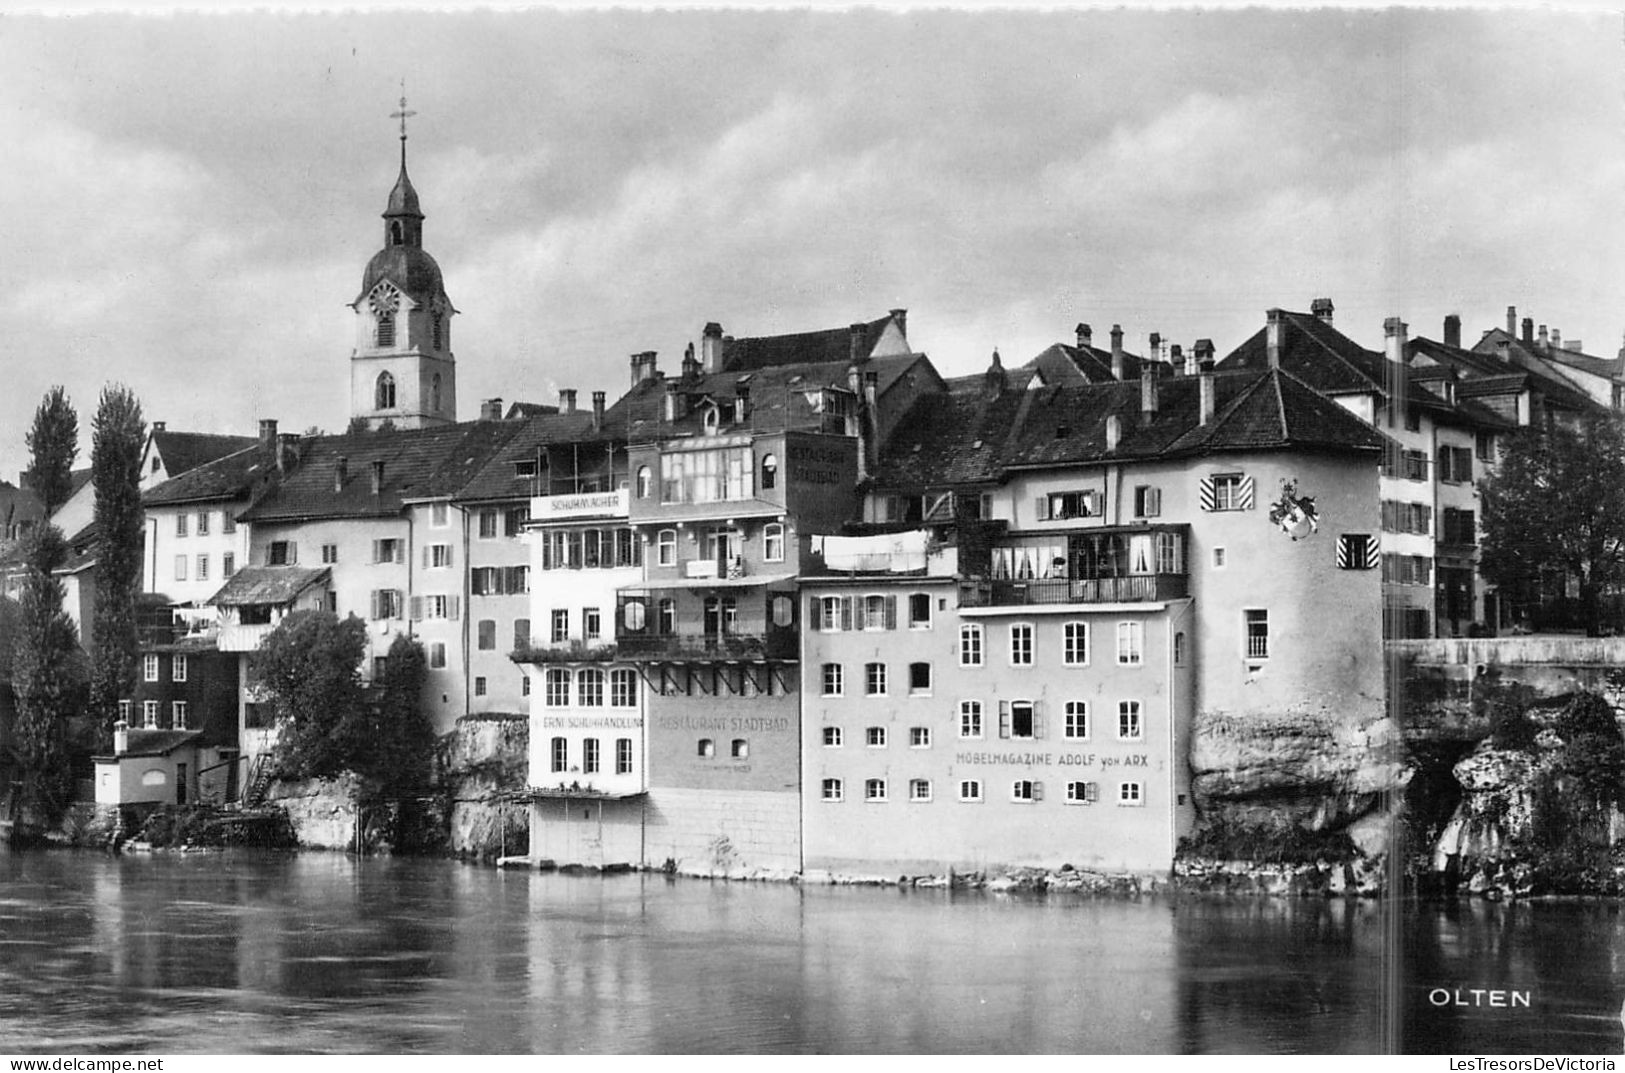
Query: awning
{"points": [[537, 793]]}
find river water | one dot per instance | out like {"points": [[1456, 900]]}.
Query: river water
{"points": [[246, 952]]}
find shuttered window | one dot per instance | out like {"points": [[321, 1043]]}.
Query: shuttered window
{"points": [[1226, 491]]}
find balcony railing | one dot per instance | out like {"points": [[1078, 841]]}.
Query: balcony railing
{"points": [[566, 652], [775, 644], [236, 637], [984, 592]]}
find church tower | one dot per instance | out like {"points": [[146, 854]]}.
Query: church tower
{"points": [[402, 370]]}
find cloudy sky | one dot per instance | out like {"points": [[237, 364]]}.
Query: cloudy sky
{"points": [[187, 202]]}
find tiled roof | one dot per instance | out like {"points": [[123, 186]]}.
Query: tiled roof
{"points": [[497, 477], [1315, 352], [230, 477], [417, 464], [1092, 364], [267, 585], [778, 395], [1483, 362], [528, 409], [1590, 363], [183, 451], [803, 348], [970, 437]]}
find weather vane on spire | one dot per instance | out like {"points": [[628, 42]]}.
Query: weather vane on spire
{"points": [[404, 114]]}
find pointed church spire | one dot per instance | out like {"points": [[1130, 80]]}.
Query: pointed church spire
{"points": [[403, 219]]}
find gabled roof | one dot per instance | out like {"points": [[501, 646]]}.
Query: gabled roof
{"points": [[1607, 367], [498, 477], [425, 463], [519, 409], [802, 348], [778, 395], [1484, 360], [971, 436], [183, 451], [267, 585], [1091, 364], [231, 477]]}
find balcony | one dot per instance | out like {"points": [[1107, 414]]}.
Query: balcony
{"points": [[566, 652], [774, 644], [1137, 588], [243, 637]]}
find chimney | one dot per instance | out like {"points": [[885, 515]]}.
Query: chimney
{"points": [[1204, 380], [1321, 308], [1557, 339], [1452, 331], [567, 400], [1193, 359], [121, 738], [1148, 392], [268, 432], [995, 380], [899, 317], [287, 451], [341, 469], [1117, 352], [1154, 351], [1540, 338], [1393, 339], [597, 410], [742, 403], [643, 367], [1274, 329], [1114, 431], [378, 477], [691, 364], [158, 426], [1176, 359], [711, 347], [1085, 333], [1512, 321], [871, 391], [856, 350], [1528, 331], [491, 410]]}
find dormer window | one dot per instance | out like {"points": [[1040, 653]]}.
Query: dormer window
{"points": [[712, 418]]}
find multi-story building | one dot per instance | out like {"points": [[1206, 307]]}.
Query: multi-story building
{"points": [[1016, 681], [1439, 436]]}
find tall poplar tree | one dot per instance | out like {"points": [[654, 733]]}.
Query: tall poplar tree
{"points": [[48, 677], [53, 444], [117, 439]]}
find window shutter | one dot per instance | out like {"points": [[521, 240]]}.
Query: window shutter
{"points": [[1038, 719], [1373, 553], [1424, 518], [1091, 792], [1043, 508], [813, 616], [1004, 719], [374, 605], [1153, 502], [1345, 552], [1038, 790], [450, 548], [453, 605], [417, 609], [400, 551], [1389, 522], [891, 612], [846, 612], [375, 554], [293, 553], [425, 556], [1204, 493], [1244, 498]]}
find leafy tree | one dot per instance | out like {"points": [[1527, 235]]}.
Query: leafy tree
{"points": [[310, 666], [118, 438], [1557, 506], [404, 738], [53, 445], [48, 677]]}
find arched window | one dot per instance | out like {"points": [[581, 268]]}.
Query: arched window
{"points": [[645, 482], [396, 234], [434, 394], [386, 328], [770, 471], [385, 394]]}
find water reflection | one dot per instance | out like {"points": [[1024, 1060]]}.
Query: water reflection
{"points": [[241, 952]]}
